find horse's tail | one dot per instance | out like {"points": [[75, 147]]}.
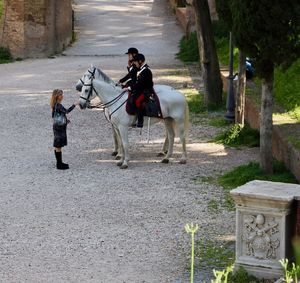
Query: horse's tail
{"points": [[186, 120]]}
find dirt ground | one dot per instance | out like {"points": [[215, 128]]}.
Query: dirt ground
{"points": [[95, 222]]}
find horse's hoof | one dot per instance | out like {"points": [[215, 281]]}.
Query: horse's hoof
{"points": [[160, 154], [165, 160], [119, 163], [182, 161], [124, 166], [115, 153], [118, 157]]}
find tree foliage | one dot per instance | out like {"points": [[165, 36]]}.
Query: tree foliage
{"points": [[267, 31]]}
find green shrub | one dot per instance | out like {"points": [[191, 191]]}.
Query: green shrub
{"points": [[241, 276], [5, 56], [188, 49], [220, 30]]}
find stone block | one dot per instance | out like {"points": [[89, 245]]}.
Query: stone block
{"points": [[265, 224]]}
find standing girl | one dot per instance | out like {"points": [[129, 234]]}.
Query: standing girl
{"points": [[60, 122]]}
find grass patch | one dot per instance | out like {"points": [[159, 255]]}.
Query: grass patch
{"points": [[294, 141], [213, 206], [238, 136], [222, 45], [195, 101], [252, 171], [5, 56], [219, 122], [213, 254], [287, 88], [1, 8]]}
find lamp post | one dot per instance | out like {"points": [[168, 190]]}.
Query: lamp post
{"points": [[230, 103]]}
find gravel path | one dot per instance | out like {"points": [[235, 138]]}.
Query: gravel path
{"points": [[95, 222]]}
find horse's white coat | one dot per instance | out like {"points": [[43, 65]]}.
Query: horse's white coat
{"points": [[173, 105]]}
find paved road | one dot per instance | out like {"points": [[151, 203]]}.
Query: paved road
{"points": [[95, 222]]}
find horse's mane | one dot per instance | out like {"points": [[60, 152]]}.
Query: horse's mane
{"points": [[105, 77]]}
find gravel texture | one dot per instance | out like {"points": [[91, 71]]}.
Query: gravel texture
{"points": [[95, 222]]}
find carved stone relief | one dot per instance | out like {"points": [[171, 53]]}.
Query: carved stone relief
{"points": [[258, 236]]}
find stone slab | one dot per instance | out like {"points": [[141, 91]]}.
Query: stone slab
{"points": [[268, 190]]}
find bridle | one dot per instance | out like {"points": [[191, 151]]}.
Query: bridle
{"points": [[91, 85], [101, 104]]}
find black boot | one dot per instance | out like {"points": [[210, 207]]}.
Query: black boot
{"points": [[60, 165], [140, 118]]}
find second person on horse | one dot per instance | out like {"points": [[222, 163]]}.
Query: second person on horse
{"points": [[143, 88]]}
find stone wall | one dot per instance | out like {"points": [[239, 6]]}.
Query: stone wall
{"points": [[36, 28]]}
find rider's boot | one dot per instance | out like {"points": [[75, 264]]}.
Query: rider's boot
{"points": [[140, 118], [60, 165]]}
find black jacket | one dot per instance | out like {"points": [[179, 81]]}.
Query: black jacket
{"points": [[131, 77], [144, 81], [60, 132], [61, 109]]}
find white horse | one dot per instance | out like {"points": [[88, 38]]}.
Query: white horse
{"points": [[173, 106]]}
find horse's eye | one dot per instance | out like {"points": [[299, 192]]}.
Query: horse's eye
{"points": [[86, 90]]}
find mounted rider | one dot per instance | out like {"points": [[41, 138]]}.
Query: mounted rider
{"points": [[143, 88], [130, 78]]}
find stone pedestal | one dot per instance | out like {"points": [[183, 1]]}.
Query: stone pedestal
{"points": [[265, 225]]}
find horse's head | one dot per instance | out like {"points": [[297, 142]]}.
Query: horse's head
{"points": [[87, 92], [90, 73]]}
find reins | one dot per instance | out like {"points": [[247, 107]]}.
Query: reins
{"points": [[101, 104]]}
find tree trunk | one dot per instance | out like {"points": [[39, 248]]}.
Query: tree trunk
{"points": [[240, 95], [208, 55], [266, 122]]}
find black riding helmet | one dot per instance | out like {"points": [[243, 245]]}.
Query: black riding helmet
{"points": [[132, 50]]}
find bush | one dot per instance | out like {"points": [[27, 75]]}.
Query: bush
{"points": [[5, 55], [188, 49]]}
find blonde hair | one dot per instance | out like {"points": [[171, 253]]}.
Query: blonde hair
{"points": [[54, 98]]}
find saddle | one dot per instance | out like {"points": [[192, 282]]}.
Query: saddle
{"points": [[149, 104]]}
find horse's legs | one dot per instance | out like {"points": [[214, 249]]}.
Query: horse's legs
{"points": [[165, 146], [116, 143], [181, 131], [171, 136], [119, 145], [120, 155], [124, 137]]}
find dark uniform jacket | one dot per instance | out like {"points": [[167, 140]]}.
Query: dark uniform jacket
{"points": [[144, 82], [131, 77]]}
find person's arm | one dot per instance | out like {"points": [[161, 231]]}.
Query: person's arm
{"points": [[126, 78], [60, 108], [131, 74]]}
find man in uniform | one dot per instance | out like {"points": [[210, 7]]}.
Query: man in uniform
{"points": [[143, 87], [130, 78]]}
